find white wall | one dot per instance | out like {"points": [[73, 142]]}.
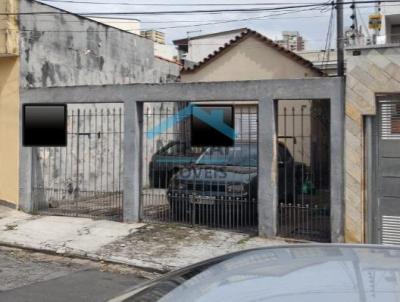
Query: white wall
{"points": [[132, 26], [391, 15], [168, 52], [202, 47]]}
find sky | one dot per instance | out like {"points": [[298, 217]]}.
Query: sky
{"points": [[311, 23]]}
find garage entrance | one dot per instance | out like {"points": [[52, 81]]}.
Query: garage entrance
{"points": [[387, 194], [304, 169], [209, 186]]}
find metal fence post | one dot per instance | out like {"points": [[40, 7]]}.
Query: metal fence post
{"points": [[132, 161], [267, 182]]}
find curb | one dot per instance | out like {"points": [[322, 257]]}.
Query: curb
{"points": [[139, 264]]}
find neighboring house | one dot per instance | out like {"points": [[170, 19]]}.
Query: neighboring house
{"points": [[372, 145], [161, 49], [390, 30], [194, 49], [249, 55], [62, 49], [9, 102], [326, 61]]}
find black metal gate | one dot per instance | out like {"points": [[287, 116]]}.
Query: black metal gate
{"points": [[213, 187], [304, 170], [84, 178]]}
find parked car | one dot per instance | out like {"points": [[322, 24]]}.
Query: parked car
{"points": [[301, 273], [168, 160], [227, 175]]}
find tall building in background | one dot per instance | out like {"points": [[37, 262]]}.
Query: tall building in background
{"points": [[292, 40], [161, 49], [154, 35], [389, 32]]}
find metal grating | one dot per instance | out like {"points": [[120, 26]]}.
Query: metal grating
{"points": [[390, 230], [83, 179], [390, 120], [304, 170], [214, 187]]}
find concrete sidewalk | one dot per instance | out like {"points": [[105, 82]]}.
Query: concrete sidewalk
{"points": [[158, 247]]}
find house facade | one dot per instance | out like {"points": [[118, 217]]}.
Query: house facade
{"points": [[302, 125], [252, 56], [246, 56], [9, 101], [371, 145]]}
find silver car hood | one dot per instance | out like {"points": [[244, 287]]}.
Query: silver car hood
{"points": [[327, 273]]}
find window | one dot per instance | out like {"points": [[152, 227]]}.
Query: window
{"points": [[395, 33], [390, 119]]}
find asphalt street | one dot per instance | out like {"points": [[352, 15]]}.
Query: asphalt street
{"points": [[27, 276]]}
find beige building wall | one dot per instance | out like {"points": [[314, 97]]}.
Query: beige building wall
{"points": [[8, 28], [9, 128], [375, 71], [251, 59], [9, 102]]}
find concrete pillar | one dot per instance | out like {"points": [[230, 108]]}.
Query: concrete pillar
{"points": [[25, 202], [25, 169], [267, 176], [133, 114], [337, 164]]}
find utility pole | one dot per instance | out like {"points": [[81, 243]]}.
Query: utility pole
{"points": [[339, 38]]}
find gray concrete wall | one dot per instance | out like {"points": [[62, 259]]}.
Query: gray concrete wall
{"points": [[69, 50], [266, 92]]}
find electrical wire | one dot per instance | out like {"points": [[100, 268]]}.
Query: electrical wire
{"points": [[260, 18], [208, 11], [264, 17], [173, 4], [363, 23], [325, 57]]}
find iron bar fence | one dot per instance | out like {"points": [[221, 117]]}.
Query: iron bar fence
{"points": [[212, 187], [304, 170], [84, 178]]}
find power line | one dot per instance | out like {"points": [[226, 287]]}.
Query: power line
{"points": [[325, 57], [174, 5], [239, 10], [128, 20], [209, 11], [190, 21], [260, 18]]}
